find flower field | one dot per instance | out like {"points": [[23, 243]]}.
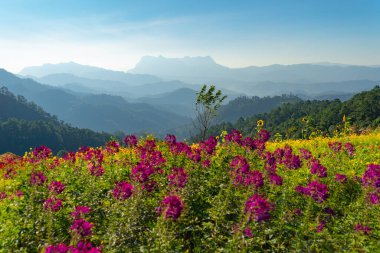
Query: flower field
{"points": [[226, 194]]}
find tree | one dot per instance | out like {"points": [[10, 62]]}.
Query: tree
{"points": [[206, 106]]}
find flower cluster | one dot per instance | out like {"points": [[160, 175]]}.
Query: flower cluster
{"points": [[56, 187], [316, 168], [242, 175], [234, 136], [318, 191], [41, 152], [37, 178], [178, 177], [123, 190], [171, 207], [53, 204], [82, 227], [361, 228], [349, 148], [258, 208], [130, 140], [341, 178]]}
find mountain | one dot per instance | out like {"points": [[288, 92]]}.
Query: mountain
{"points": [[253, 80], [88, 72], [23, 125], [98, 112]]}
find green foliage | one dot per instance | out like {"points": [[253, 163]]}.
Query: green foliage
{"points": [[214, 215], [324, 118]]}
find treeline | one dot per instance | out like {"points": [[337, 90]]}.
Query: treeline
{"points": [[302, 119], [23, 125], [247, 106]]}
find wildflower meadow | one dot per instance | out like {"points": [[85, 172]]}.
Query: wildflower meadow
{"points": [[225, 194]]}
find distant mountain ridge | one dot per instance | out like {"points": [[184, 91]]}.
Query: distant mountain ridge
{"points": [[89, 72], [100, 112], [190, 68], [254, 80]]}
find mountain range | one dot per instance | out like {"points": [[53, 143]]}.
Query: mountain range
{"points": [[158, 94]]}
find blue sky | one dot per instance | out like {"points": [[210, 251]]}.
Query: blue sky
{"points": [[116, 34]]}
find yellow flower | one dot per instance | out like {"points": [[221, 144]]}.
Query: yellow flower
{"points": [[344, 118], [260, 123]]}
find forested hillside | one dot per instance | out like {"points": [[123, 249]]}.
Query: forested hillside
{"points": [[23, 125], [310, 117]]}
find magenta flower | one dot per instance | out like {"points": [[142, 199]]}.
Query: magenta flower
{"points": [[374, 198], [264, 135], [318, 191], [234, 136], [57, 187], [96, 170], [82, 227], [170, 139], [59, 248], [80, 211], [341, 178], [258, 208], [249, 143], [318, 169], [37, 178], [321, 226], [70, 156], [335, 146], [275, 179], [112, 146], [329, 211], [206, 163], [349, 148], [53, 204], [209, 145], [371, 177], [42, 152], [195, 155], [3, 195], [142, 173], [242, 175], [171, 207], [85, 247], [130, 140], [360, 228], [9, 173], [180, 147], [298, 211], [178, 177], [305, 154], [123, 190], [149, 186], [248, 232]]}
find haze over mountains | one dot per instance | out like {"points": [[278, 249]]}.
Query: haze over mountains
{"points": [[155, 75], [158, 94]]}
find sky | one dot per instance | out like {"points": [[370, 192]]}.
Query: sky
{"points": [[115, 34]]}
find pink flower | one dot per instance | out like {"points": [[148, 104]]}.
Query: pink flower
{"points": [[258, 208], [171, 207], [37, 178], [248, 232], [57, 187], [53, 204], [178, 177], [80, 211], [82, 227], [123, 190]]}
